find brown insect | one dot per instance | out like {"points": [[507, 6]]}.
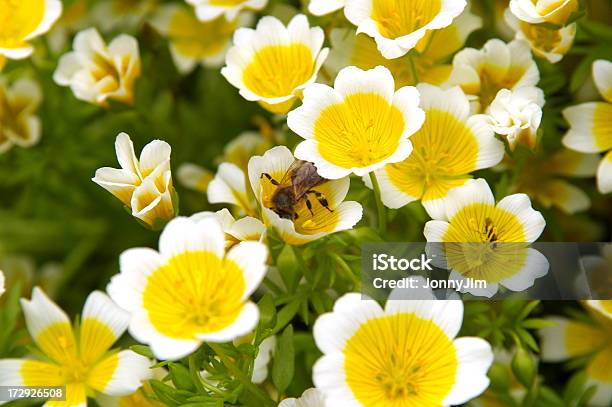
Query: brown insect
{"points": [[295, 186]]}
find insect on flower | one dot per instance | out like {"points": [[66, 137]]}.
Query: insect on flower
{"points": [[295, 186]]}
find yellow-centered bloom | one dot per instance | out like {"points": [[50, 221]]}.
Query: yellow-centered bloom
{"points": [[143, 184], [273, 63], [398, 25], [483, 73], [19, 124], [591, 340], [406, 354], [310, 398], [550, 188], [22, 21], [97, 73], [544, 11], [2, 289], [435, 48], [591, 125], [483, 240], [549, 43], [194, 177], [306, 226], [77, 357], [191, 291], [438, 162], [207, 10], [194, 42], [357, 126]]}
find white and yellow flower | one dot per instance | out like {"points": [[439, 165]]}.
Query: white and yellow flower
{"points": [[2, 289], [591, 340], [486, 241], [121, 15], [323, 7], [194, 177], [549, 43], [242, 230], [207, 10], [143, 397], [273, 63], [591, 125], [517, 115], [21, 21], [357, 126], [240, 150], [397, 25], [434, 49], [406, 354], [483, 73], [78, 358], [19, 124], [310, 398], [191, 291], [438, 162], [144, 185], [550, 188], [194, 42], [98, 73], [306, 226], [229, 186], [544, 11]]}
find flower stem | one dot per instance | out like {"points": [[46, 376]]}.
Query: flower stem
{"points": [[239, 374], [382, 215], [413, 68]]}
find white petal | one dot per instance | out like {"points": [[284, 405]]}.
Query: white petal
{"points": [[251, 258], [435, 230], [536, 266], [604, 174], [274, 161], [317, 98], [580, 136], [602, 75], [328, 376], [475, 356], [352, 80], [473, 191], [10, 372], [40, 312], [322, 7], [183, 235], [125, 154], [101, 308], [446, 314], [228, 186], [332, 330], [532, 221], [132, 369], [554, 348], [154, 155]]}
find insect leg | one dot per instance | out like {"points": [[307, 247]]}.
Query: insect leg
{"points": [[269, 177], [321, 198], [308, 204]]}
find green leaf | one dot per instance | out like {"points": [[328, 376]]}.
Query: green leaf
{"points": [[286, 314], [288, 268], [181, 377], [537, 323], [143, 350], [283, 368], [267, 312], [574, 388], [524, 367]]}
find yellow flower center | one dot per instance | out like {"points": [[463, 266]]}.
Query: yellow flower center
{"points": [[493, 79], [360, 132], [18, 18], [542, 38], [400, 360], [197, 39], [194, 292], [277, 70], [396, 18], [438, 162]]}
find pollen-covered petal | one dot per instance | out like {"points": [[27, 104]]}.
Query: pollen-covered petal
{"points": [[536, 265], [446, 314], [135, 265], [183, 235], [590, 127], [474, 356], [102, 324], [228, 186], [604, 174], [120, 374], [473, 192], [567, 339], [275, 162], [332, 330], [49, 326], [602, 75], [532, 221], [251, 257]]}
